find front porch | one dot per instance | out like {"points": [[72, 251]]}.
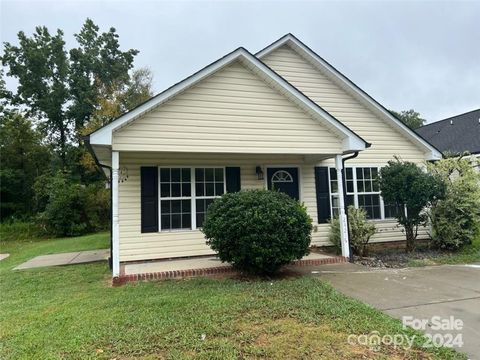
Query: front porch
{"points": [[199, 266], [165, 221]]}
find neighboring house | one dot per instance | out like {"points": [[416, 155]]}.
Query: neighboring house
{"points": [[283, 117], [457, 134]]}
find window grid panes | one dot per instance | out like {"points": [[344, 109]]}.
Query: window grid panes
{"points": [[362, 190], [209, 184], [367, 192], [175, 198], [334, 198], [178, 191], [391, 210]]}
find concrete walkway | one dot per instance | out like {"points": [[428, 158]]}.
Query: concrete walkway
{"points": [[421, 293], [4, 256], [78, 257]]}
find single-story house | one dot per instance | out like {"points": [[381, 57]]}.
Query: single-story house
{"points": [[456, 135], [283, 117]]}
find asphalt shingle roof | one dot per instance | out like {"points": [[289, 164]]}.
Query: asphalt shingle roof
{"points": [[456, 134]]}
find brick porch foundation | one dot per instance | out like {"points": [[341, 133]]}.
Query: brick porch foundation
{"points": [[224, 269]]}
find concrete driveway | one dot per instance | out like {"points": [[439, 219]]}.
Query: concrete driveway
{"points": [[420, 293]]}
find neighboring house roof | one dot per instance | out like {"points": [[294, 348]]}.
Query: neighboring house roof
{"points": [[352, 88], [456, 134], [351, 141]]}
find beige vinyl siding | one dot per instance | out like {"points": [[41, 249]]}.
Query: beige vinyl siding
{"points": [[232, 111], [137, 246], [386, 141]]}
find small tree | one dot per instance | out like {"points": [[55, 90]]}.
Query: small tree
{"points": [[258, 230], [456, 218], [360, 231], [411, 189]]}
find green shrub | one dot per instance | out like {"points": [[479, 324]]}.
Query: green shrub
{"points": [[15, 230], [71, 208], [360, 231], [406, 185], [456, 218], [258, 231]]}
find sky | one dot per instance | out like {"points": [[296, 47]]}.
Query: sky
{"points": [[405, 54]]}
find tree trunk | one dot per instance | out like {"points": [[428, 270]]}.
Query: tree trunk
{"points": [[410, 233], [63, 141]]}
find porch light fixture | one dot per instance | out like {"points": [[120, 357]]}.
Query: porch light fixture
{"points": [[259, 172]]}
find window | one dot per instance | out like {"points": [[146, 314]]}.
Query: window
{"points": [[175, 198], [391, 210], [209, 184], [367, 192], [335, 200], [178, 194], [361, 188]]}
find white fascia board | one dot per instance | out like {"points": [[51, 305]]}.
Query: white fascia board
{"points": [[103, 136], [431, 152]]}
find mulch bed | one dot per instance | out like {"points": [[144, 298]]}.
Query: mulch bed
{"points": [[398, 258]]}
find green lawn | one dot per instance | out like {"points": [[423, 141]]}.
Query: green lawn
{"points": [[72, 312], [469, 254]]}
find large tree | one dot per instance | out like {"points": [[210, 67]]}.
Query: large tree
{"points": [[24, 157], [113, 103], [411, 118], [62, 89], [40, 64], [97, 66]]}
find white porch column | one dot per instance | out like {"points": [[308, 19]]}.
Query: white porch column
{"points": [[115, 228], [342, 216]]}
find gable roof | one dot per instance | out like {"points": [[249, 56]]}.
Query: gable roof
{"points": [[326, 68], [456, 134], [351, 141]]}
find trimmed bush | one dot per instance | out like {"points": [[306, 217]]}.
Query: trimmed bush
{"points": [[258, 231], [360, 231]]}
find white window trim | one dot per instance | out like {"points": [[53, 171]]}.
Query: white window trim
{"points": [[192, 197], [355, 192]]}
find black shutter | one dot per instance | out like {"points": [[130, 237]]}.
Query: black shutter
{"points": [[323, 194], [149, 198], [232, 175]]}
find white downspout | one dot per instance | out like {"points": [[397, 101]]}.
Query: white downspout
{"points": [[342, 216], [115, 227]]}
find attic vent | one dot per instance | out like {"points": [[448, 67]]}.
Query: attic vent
{"points": [[451, 122]]}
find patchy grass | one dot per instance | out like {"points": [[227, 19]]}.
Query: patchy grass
{"points": [[73, 312]]}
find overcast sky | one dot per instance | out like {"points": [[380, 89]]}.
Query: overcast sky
{"points": [[420, 55]]}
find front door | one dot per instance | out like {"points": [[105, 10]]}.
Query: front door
{"points": [[284, 179]]}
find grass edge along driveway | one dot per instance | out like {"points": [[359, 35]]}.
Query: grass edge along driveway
{"points": [[73, 312]]}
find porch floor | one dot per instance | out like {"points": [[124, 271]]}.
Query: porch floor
{"points": [[195, 263]]}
